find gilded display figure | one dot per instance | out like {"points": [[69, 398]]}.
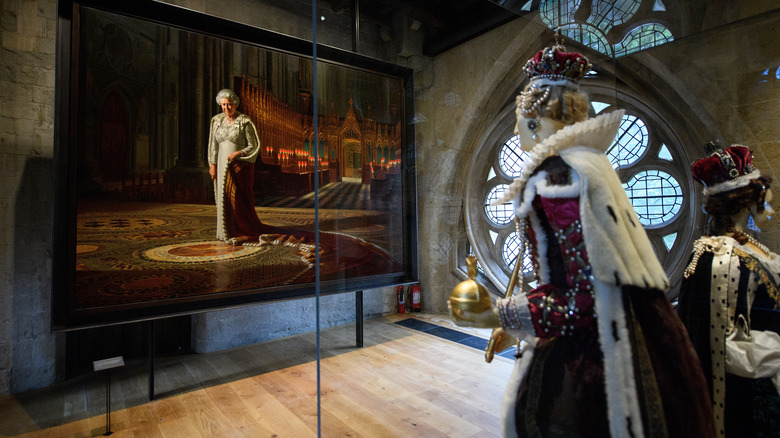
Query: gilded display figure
{"points": [[604, 353], [730, 294]]}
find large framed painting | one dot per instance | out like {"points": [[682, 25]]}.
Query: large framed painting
{"points": [[203, 164]]}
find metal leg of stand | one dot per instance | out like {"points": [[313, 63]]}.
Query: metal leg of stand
{"points": [[359, 319], [108, 403], [150, 327], [106, 365]]}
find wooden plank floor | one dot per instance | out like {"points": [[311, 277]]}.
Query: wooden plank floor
{"points": [[402, 383]]}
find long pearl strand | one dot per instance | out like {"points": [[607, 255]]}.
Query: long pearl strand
{"points": [[531, 100], [755, 242], [700, 246], [529, 104]]}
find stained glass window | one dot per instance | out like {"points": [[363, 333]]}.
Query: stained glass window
{"points": [[604, 16], [643, 37]]}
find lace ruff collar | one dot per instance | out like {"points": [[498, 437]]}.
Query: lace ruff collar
{"points": [[597, 133]]}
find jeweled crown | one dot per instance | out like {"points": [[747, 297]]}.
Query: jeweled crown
{"points": [[724, 169], [554, 63]]}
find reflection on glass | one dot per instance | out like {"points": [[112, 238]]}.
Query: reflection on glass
{"points": [[604, 16]]}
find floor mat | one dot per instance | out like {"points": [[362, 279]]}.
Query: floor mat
{"points": [[453, 335]]}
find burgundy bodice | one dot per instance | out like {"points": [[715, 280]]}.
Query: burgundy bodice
{"points": [[563, 302]]}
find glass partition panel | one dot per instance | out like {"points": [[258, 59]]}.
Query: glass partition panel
{"points": [[416, 373], [381, 137], [717, 81], [206, 172]]}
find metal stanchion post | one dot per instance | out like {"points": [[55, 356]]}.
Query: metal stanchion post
{"points": [[107, 364]]}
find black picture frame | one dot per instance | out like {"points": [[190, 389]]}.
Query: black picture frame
{"points": [[93, 45]]}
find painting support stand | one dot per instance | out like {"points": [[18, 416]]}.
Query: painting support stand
{"points": [[150, 330], [107, 364], [359, 319]]}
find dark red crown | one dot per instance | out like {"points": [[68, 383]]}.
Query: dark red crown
{"points": [[556, 64], [724, 169]]}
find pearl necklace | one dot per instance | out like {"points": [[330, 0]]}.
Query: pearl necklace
{"points": [[532, 98], [707, 244]]}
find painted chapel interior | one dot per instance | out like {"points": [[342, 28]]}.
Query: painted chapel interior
{"points": [[435, 151], [143, 200]]}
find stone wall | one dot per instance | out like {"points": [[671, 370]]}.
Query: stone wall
{"points": [[27, 50], [224, 329], [456, 112]]}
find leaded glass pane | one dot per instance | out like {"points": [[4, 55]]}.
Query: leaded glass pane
{"points": [[655, 195], [630, 142], [669, 241], [500, 214], [664, 153], [512, 159], [599, 106], [509, 254], [643, 37], [606, 14]]}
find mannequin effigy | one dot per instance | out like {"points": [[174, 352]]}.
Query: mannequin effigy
{"points": [[729, 296], [607, 355]]}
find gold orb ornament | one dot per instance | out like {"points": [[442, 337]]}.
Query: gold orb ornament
{"points": [[469, 295]]}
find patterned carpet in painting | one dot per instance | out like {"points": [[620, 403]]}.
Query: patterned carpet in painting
{"points": [[136, 253]]}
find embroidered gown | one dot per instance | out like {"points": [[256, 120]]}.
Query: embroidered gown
{"points": [[610, 357], [727, 280], [237, 221]]}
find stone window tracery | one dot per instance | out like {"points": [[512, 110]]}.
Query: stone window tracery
{"points": [[647, 158]]}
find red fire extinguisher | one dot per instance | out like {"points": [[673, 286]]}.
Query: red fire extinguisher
{"points": [[415, 293], [401, 304]]}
